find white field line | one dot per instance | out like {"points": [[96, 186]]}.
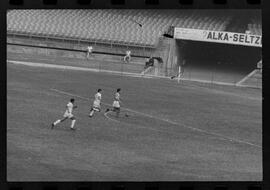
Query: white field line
{"points": [[105, 114], [206, 81], [128, 74], [139, 126], [245, 78], [168, 121], [146, 70], [216, 91], [35, 64]]}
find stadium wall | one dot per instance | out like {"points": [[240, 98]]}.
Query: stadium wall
{"points": [[114, 52]]}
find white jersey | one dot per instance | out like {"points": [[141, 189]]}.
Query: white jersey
{"points": [[90, 48], [97, 100], [128, 53], [69, 109], [259, 64], [116, 102]]}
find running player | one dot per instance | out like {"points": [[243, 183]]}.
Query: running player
{"points": [[116, 103], [178, 75], [127, 57], [180, 71], [96, 103], [259, 66], [89, 51], [67, 115]]}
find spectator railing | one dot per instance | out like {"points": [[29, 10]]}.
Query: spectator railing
{"points": [[106, 47], [79, 40]]}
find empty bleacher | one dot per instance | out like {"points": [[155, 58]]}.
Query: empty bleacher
{"points": [[112, 26], [242, 23], [255, 27]]}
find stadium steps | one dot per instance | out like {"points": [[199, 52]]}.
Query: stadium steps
{"points": [[101, 24]]}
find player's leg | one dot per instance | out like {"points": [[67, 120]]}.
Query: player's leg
{"points": [[73, 120], [89, 54], [58, 121], [117, 112], [91, 112], [63, 119]]}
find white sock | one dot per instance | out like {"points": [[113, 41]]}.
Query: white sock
{"points": [[73, 123], [91, 113], [56, 122]]}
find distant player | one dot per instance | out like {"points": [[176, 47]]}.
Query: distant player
{"points": [[180, 71], [127, 57], [116, 103], [67, 115], [89, 51], [149, 62], [96, 103], [260, 66]]}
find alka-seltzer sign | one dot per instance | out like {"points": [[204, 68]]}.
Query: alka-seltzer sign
{"points": [[218, 37]]}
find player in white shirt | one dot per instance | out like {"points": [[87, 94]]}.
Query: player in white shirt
{"points": [[116, 103], [127, 57], [96, 103], [180, 71], [260, 66], [67, 115], [89, 51]]}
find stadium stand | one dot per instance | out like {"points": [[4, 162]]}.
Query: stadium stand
{"points": [[114, 31], [254, 27], [112, 26], [242, 24]]}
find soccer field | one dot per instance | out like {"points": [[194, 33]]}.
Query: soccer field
{"points": [[178, 132]]}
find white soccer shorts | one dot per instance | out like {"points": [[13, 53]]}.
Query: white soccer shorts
{"points": [[68, 115], [96, 104], [116, 104]]}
